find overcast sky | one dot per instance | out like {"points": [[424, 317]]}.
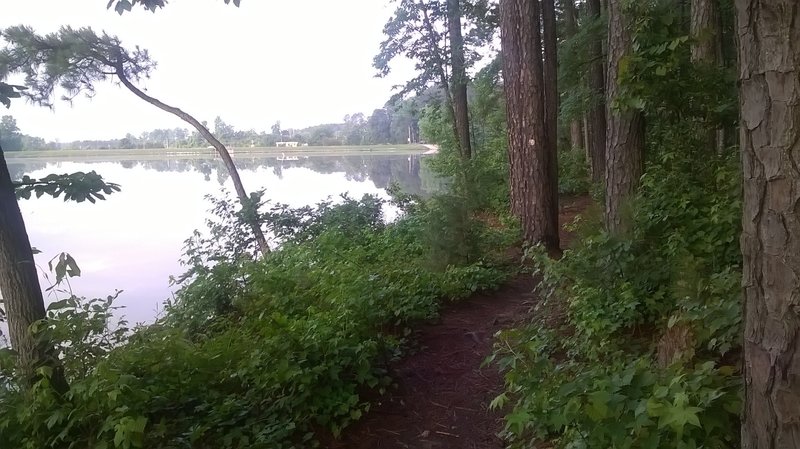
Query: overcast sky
{"points": [[302, 62]]}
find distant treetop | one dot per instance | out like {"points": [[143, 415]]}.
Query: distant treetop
{"points": [[126, 5]]}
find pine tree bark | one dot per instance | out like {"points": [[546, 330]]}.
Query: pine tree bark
{"points": [[459, 78], [625, 138], [769, 92], [596, 117], [550, 45], [534, 182], [551, 103], [19, 284], [571, 29], [576, 134], [704, 28], [704, 31], [227, 160]]}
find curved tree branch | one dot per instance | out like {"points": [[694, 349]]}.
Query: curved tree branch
{"points": [[244, 198]]}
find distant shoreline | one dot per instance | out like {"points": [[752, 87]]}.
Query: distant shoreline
{"points": [[206, 153]]}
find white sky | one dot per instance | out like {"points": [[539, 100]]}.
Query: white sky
{"points": [[303, 62]]}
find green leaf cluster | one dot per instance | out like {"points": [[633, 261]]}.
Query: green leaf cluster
{"points": [[251, 353], [603, 378], [78, 187]]}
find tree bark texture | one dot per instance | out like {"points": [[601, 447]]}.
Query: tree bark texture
{"points": [[769, 92], [576, 134], [244, 198], [704, 31], [533, 178], [459, 78], [625, 138], [571, 29], [550, 42], [19, 285], [706, 49], [596, 117]]}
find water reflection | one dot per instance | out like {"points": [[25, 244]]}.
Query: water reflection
{"points": [[133, 240]]}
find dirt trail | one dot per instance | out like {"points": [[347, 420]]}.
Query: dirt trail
{"points": [[442, 395]]}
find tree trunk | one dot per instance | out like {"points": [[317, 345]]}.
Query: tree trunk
{"points": [[459, 78], [769, 92], [704, 31], [596, 117], [625, 139], [534, 182], [570, 29], [586, 155], [705, 50], [244, 198], [21, 292], [440, 66], [570, 17], [550, 75], [576, 134]]}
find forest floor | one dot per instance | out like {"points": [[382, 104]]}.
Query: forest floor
{"points": [[442, 396]]}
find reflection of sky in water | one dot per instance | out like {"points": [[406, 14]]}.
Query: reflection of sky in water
{"points": [[133, 240]]}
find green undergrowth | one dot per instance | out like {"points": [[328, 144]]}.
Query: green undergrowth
{"points": [[257, 354], [646, 355]]}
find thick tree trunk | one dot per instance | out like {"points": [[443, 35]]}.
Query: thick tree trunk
{"points": [[705, 50], [570, 29], [534, 182], [704, 31], [625, 139], [550, 45], [769, 76], [244, 198], [551, 103], [459, 75], [19, 286], [576, 134], [570, 17], [596, 117]]}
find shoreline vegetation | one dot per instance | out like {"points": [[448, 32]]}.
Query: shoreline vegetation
{"points": [[191, 153]]}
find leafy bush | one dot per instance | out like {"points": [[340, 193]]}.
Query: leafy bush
{"points": [[624, 402], [602, 380], [573, 173], [252, 353]]}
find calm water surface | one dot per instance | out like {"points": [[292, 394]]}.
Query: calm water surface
{"points": [[133, 240]]}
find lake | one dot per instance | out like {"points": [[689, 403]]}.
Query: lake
{"points": [[134, 239]]}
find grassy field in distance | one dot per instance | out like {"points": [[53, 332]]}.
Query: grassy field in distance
{"points": [[194, 153]]}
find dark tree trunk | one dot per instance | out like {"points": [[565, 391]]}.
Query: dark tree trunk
{"points": [[704, 28], [570, 17], [550, 45], [576, 134], [19, 286], [596, 117], [244, 198], [459, 78], [570, 29], [704, 31], [586, 154], [769, 88], [534, 182], [625, 139], [551, 103]]}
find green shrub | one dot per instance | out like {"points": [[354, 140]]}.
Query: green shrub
{"points": [[595, 383], [252, 353], [573, 173]]}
